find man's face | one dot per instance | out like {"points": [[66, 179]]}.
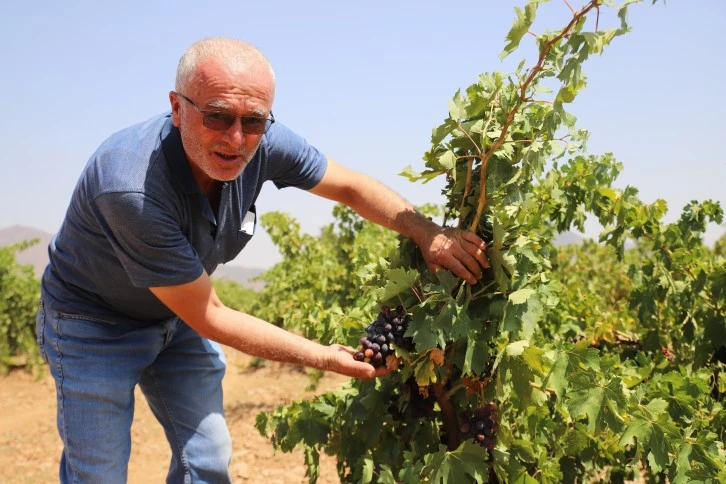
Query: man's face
{"points": [[221, 155]]}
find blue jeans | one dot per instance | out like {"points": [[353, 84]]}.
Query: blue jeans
{"points": [[96, 367]]}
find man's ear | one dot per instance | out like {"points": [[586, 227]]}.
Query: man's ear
{"points": [[175, 108]]}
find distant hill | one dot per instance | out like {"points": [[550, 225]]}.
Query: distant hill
{"points": [[240, 275], [37, 256], [567, 238]]}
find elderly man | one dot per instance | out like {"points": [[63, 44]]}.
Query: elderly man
{"points": [[126, 297]]}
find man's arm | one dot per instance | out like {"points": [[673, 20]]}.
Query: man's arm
{"points": [[197, 304], [459, 251]]}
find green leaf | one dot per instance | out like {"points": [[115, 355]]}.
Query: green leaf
{"points": [[399, 280], [656, 434], [521, 296], [420, 329], [368, 467], [557, 377], [516, 348], [424, 372], [477, 354], [533, 357], [456, 107], [501, 262], [385, 476], [412, 468], [601, 404], [462, 465], [441, 132], [522, 319], [520, 27], [423, 177], [448, 162], [523, 450], [312, 464]]}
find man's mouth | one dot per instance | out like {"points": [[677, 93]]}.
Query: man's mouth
{"points": [[227, 157]]}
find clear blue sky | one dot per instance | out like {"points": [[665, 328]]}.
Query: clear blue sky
{"points": [[364, 81]]}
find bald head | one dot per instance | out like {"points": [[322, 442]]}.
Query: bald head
{"points": [[233, 54]]}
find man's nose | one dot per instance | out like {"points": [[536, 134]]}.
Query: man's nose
{"points": [[234, 134]]}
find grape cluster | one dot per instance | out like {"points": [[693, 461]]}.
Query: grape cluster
{"points": [[481, 425], [388, 328]]}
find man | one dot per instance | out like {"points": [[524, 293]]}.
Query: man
{"points": [[127, 299]]}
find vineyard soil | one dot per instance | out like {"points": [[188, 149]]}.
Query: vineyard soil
{"points": [[30, 447]]}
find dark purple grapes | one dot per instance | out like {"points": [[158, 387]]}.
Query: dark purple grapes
{"points": [[481, 425], [389, 327]]}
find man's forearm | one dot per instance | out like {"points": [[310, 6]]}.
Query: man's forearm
{"points": [[376, 202], [259, 338]]}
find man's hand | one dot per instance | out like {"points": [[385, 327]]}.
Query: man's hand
{"points": [[340, 360], [457, 250]]}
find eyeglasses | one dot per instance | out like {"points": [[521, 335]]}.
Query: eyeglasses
{"points": [[221, 121]]}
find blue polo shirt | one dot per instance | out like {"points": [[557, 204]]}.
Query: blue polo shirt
{"points": [[137, 219]]}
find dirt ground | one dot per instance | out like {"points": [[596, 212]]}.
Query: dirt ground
{"points": [[30, 447]]}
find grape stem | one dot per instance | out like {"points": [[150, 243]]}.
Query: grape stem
{"points": [[451, 424]]}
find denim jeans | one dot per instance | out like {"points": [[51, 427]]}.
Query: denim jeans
{"points": [[96, 367]]}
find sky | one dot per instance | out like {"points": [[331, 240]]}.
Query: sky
{"points": [[365, 82]]}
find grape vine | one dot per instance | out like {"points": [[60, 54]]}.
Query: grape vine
{"points": [[568, 364]]}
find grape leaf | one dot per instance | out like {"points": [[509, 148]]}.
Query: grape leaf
{"points": [[367, 469], [501, 262], [461, 465], [601, 404], [522, 319], [521, 296], [519, 28], [425, 372], [399, 280]]}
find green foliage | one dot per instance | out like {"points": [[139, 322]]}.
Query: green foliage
{"points": [[19, 296], [313, 289], [605, 361], [235, 296]]}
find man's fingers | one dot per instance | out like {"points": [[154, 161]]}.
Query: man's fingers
{"points": [[460, 269], [477, 253], [476, 247], [346, 365], [474, 239]]}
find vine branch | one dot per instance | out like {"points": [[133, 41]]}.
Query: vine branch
{"points": [[451, 424], [522, 97]]}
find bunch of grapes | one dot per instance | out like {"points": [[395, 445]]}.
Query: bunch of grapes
{"points": [[481, 425], [388, 328]]}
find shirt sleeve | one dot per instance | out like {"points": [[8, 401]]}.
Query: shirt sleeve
{"points": [[147, 239], [291, 160]]}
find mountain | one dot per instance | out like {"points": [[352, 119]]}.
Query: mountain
{"points": [[37, 256], [567, 238], [240, 275]]}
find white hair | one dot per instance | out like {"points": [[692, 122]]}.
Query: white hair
{"points": [[236, 54]]}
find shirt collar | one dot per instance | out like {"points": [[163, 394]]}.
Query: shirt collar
{"points": [[171, 144]]}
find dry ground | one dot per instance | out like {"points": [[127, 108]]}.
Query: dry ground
{"points": [[30, 447]]}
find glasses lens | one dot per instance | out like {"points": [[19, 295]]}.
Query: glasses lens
{"points": [[254, 125], [218, 121]]}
